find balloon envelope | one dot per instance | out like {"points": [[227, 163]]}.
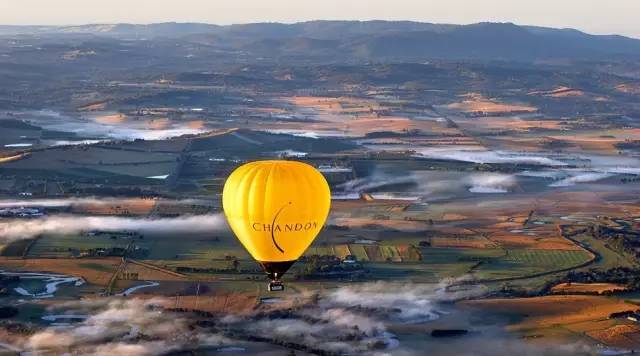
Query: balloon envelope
{"points": [[276, 209]]}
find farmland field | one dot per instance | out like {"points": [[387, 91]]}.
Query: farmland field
{"points": [[63, 246], [16, 248], [95, 271], [609, 257], [559, 317], [598, 288], [521, 263]]}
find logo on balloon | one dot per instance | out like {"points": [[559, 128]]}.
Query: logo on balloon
{"points": [[275, 227]]}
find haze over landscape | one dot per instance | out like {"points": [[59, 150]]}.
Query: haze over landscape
{"points": [[598, 17], [483, 160]]}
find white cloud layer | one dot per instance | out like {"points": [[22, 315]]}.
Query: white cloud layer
{"points": [[62, 224]]}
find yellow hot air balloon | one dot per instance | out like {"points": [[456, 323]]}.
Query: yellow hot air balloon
{"points": [[276, 209]]}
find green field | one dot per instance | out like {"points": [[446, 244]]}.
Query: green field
{"points": [[436, 264], [194, 247], [441, 255], [609, 258], [363, 252], [384, 262], [105, 161], [522, 263], [59, 246], [160, 246], [15, 248]]}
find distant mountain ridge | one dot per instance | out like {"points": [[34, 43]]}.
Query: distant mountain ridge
{"points": [[369, 40], [317, 29]]}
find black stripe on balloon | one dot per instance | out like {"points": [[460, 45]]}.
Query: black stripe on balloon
{"points": [[273, 228]]}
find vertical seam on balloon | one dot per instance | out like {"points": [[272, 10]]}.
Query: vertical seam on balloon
{"points": [[264, 202], [250, 176], [308, 186]]}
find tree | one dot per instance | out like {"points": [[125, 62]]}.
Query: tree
{"points": [[8, 312]]}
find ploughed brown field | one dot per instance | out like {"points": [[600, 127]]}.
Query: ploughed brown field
{"points": [[569, 316], [555, 310], [354, 117]]}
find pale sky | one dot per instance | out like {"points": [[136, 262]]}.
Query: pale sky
{"points": [[593, 16]]}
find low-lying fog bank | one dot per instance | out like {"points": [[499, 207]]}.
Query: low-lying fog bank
{"points": [[360, 319], [94, 201], [438, 184], [15, 229], [92, 129], [416, 185]]}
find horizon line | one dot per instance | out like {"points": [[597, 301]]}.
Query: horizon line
{"points": [[309, 21]]}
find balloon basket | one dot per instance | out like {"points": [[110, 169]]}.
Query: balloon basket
{"points": [[276, 286]]}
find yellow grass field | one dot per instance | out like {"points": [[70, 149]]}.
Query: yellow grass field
{"points": [[147, 272], [515, 240], [93, 106], [226, 302], [196, 124], [13, 157], [555, 310], [336, 105], [560, 92], [111, 119], [510, 123], [477, 103], [357, 117], [121, 207], [629, 89], [402, 225], [577, 288], [157, 124], [462, 242], [94, 271], [626, 336]]}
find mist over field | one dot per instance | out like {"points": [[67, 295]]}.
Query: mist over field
{"points": [[122, 132], [479, 156], [92, 201], [89, 127], [351, 320], [25, 229]]}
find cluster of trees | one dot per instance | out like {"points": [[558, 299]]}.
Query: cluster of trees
{"points": [[620, 275], [622, 239], [317, 266], [17, 327], [628, 145], [630, 180], [8, 312], [623, 314], [231, 265], [628, 277], [6, 282], [103, 252], [116, 191]]}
